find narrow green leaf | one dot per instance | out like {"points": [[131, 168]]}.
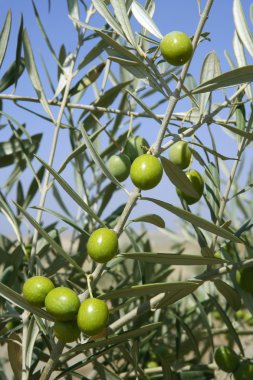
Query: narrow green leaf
{"points": [[15, 298], [11, 217], [231, 330], [106, 14], [55, 246], [146, 290], [73, 8], [14, 346], [213, 152], [87, 80], [178, 178], [230, 78], [44, 34], [240, 117], [19, 48], [172, 298], [152, 219], [241, 59], [210, 69], [196, 220], [92, 54], [12, 74], [231, 295], [34, 186], [70, 191], [4, 36], [143, 17], [120, 10], [115, 339], [242, 27], [33, 73], [171, 258], [32, 334], [64, 219], [119, 48], [237, 131]]}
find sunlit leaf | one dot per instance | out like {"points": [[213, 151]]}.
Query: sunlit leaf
{"points": [[4, 36], [196, 220], [143, 17]]}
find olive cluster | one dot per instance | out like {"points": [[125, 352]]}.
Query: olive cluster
{"points": [[63, 304], [228, 361]]}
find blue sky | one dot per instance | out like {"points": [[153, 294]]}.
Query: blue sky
{"points": [[170, 15]]}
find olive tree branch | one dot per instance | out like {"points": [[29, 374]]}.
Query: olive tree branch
{"points": [[230, 181], [52, 362], [176, 94], [207, 119], [57, 351], [156, 150]]}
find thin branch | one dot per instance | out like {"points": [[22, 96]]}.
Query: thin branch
{"points": [[176, 94]]}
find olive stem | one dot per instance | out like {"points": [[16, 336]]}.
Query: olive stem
{"points": [[89, 279], [25, 322], [189, 131], [57, 351], [47, 174], [230, 181], [52, 362]]}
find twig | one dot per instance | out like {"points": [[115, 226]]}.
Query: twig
{"points": [[52, 362], [175, 95]]}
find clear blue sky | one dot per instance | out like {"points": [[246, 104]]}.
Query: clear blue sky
{"points": [[170, 15]]}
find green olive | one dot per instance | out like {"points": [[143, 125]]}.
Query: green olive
{"points": [[135, 147], [244, 278], [198, 184], [92, 316], [102, 245], [119, 166], [244, 372], [36, 288], [146, 172], [180, 154], [226, 359], [63, 303], [66, 331], [176, 48]]}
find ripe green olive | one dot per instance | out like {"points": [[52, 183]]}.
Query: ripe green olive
{"points": [[92, 316], [226, 359], [63, 303], [176, 48], [135, 147], [35, 290], [102, 245], [244, 372], [198, 184], [119, 166], [244, 278], [146, 172], [180, 154], [66, 331]]}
